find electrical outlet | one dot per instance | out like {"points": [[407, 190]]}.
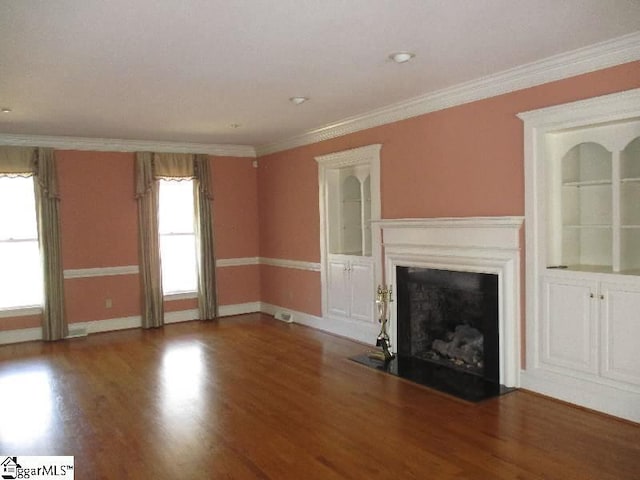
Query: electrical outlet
{"points": [[108, 303]]}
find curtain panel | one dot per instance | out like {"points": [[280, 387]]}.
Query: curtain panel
{"points": [[207, 293], [148, 242], [40, 162], [150, 167], [54, 324]]}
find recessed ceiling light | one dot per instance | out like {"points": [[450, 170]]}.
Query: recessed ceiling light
{"points": [[6, 110], [401, 57], [298, 100]]}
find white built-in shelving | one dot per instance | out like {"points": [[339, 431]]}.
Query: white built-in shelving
{"points": [[582, 163]]}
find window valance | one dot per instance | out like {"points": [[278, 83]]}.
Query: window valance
{"points": [[17, 161]]}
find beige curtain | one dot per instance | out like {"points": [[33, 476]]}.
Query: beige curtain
{"points": [[54, 324], [207, 304], [148, 242], [17, 161], [173, 165]]}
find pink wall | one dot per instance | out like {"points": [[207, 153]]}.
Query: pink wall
{"points": [[98, 214], [97, 209], [295, 289], [235, 207], [462, 161]]}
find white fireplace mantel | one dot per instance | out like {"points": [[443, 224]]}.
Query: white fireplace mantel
{"points": [[470, 244]]}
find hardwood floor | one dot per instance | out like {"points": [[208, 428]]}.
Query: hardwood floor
{"points": [[250, 397]]}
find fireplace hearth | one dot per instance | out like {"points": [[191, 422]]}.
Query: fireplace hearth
{"points": [[447, 329]]}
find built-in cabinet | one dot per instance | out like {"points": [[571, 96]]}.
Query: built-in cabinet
{"points": [[349, 186], [583, 252], [351, 282], [591, 326]]}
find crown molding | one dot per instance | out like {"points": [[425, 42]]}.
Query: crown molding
{"points": [[583, 60], [120, 145], [592, 111]]}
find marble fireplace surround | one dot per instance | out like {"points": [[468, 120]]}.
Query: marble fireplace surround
{"points": [[468, 244]]}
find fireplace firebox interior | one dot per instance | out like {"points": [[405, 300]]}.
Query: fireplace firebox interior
{"points": [[449, 318]]}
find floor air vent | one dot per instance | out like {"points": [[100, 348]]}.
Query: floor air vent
{"points": [[284, 317]]}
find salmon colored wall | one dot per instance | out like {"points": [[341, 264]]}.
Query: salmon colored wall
{"points": [[85, 297], [98, 214], [16, 323], [235, 206], [179, 305], [288, 205], [295, 289], [98, 209], [463, 161], [238, 284]]}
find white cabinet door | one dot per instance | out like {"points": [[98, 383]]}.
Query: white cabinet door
{"points": [[338, 288], [361, 279], [620, 321], [568, 336]]}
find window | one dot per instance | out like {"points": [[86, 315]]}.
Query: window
{"points": [[20, 267], [177, 236]]}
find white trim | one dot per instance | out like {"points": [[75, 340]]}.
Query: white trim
{"points": [[170, 297], [342, 327], [474, 244], [237, 262], [181, 316], [295, 264], [584, 60], [238, 309], [20, 312], [109, 325], [120, 145], [101, 271], [604, 398], [585, 112], [222, 263], [369, 156], [20, 335]]}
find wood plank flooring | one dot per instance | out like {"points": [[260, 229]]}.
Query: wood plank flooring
{"points": [[250, 397]]}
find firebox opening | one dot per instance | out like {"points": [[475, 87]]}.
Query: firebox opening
{"points": [[449, 318]]}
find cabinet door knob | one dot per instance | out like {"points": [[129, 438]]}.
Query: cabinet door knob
{"points": [[591, 295], [601, 297]]}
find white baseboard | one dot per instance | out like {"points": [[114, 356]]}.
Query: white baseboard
{"points": [[344, 328], [238, 309], [181, 316], [123, 323], [21, 335], [604, 398], [111, 324]]}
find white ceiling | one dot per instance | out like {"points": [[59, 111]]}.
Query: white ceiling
{"points": [[184, 71]]}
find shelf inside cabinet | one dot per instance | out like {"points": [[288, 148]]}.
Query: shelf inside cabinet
{"points": [[587, 183], [588, 226]]}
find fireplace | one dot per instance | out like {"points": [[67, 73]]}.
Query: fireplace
{"points": [[450, 319], [457, 253]]}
